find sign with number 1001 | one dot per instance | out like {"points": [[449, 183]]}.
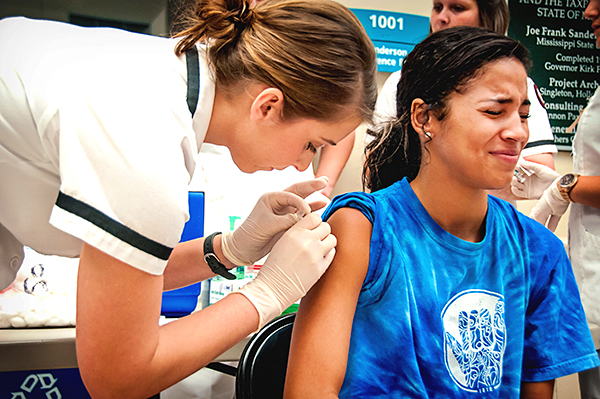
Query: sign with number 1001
{"points": [[387, 22], [393, 26], [394, 35]]}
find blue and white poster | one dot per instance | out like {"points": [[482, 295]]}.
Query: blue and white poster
{"points": [[393, 34]]}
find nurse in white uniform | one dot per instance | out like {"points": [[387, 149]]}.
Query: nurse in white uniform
{"points": [[99, 131], [493, 15]]}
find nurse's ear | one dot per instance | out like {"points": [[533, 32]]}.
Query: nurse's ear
{"points": [[268, 105]]}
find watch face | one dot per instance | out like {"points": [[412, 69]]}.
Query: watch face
{"points": [[567, 179]]}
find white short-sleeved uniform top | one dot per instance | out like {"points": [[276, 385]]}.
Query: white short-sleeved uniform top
{"points": [[541, 139], [584, 221], [97, 140]]}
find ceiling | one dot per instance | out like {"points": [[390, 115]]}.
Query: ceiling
{"points": [[138, 11]]}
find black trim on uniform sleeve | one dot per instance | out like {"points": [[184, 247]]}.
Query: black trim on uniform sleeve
{"points": [[539, 143], [193, 78], [113, 227]]}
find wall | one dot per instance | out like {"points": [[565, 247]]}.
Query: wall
{"points": [[152, 12], [419, 7]]}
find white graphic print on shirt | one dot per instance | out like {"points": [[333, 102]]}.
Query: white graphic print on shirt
{"points": [[474, 339]]}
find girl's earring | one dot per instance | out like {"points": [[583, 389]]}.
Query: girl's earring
{"points": [[427, 134]]}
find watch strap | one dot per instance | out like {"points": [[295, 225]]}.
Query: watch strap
{"points": [[565, 191], [212, 260], [565, 195]]}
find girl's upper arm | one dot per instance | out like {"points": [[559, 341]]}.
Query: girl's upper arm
{"points": [[537, 390], [321, 335]]}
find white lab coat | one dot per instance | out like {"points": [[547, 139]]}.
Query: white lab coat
{"points": [[584, 221]]}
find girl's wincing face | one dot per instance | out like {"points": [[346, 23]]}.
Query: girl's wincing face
{"points": [[592, 12], [479, 141], [449, 13]]}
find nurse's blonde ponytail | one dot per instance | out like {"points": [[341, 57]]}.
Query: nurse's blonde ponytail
{"points": [[222, 21], [315, 51]]}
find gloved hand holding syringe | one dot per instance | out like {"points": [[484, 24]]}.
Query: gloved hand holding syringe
{"points": [[536, 181], [531, 179], [300, 244]]}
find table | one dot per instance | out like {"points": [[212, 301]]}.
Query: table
{"points": [[54, 348]]}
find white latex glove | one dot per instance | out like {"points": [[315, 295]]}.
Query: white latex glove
{"points": [[550, 207], [318, 197], [272, 215], [531, 179], [297, 261]]}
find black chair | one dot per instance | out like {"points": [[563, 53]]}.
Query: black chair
{"points": [[263, 364]]}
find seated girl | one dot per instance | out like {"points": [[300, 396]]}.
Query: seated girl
{"points": [[438, 290]]}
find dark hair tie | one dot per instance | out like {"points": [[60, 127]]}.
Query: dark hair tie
{"points": [[243, 16]]}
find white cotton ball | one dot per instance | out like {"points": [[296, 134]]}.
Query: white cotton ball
{"points": [[19, 304], [4, 322], [51, 283], [9, 306], [37, 319], [63, 320], [17, 322], [58, 317], [7, 313], [54, 322]]}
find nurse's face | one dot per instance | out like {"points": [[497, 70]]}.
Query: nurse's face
{"points": [[592, 12], [449, 13], [293, 143], [478, 143]]}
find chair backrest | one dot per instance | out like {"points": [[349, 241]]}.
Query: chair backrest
{"points": [[263, 363]]}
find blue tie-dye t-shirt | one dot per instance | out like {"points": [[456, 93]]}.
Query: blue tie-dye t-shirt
{"points": [[440, 317]]}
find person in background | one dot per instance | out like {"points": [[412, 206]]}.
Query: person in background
{"points": [[99, 131], [437, 289], [492, 15], [332, 161], [581, 189]]}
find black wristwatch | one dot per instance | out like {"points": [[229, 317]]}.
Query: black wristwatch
{"points": [[566, 184], [215, 264]]}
